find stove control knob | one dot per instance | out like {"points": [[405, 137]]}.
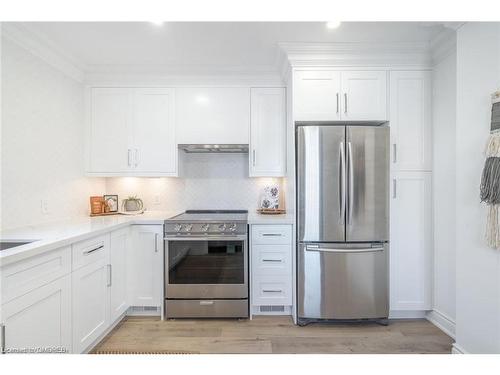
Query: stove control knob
{"points": [[205, 227], [232, 227], [222, 227], [188, 227], [178, 227]]}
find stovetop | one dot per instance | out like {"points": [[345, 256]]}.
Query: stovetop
{"points": [[211, 216], [207, 222]]}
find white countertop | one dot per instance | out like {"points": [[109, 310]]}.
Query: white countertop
{"points": [[256, 218], [63, 233]]}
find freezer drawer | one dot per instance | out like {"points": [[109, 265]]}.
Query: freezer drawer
{"points": [[343, 281]]}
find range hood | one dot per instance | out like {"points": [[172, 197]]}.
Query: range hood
{"points": [[215, 148]]}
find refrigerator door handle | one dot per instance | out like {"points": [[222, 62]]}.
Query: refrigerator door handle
{"points": [[351, 183], [342, 182], [342, 250]]}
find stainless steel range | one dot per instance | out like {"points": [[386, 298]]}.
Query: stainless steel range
{"points": [[206, 264]]}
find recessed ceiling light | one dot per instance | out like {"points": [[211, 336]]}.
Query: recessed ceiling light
{"points": [[333, 24]]}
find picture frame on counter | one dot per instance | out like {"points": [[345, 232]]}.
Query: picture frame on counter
{"points": [[112, 202]]}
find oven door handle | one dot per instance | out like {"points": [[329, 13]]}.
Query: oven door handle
{"points": [[205, 238]]}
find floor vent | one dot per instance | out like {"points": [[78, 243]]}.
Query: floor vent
{"points": [[272, 308], [143, 310]]}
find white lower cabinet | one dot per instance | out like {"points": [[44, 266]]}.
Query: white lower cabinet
{"points": [[145, 265], [411, 241], [271, 268], [39, 321], [67, 299], [91, 304], [118, 272]]}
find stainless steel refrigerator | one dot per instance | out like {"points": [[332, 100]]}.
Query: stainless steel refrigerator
{"points": [[342, 221]]}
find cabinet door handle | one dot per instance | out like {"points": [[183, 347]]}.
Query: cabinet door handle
{"points": [[338, 102], [156, 242], [136, 157], [345, 102], [110, 277], [91, 251], [206, 303], [253, 157], [129, 157], [394, 194], [394, 153], [2, 337], [272, 260], [272, 290], [271, 234]]}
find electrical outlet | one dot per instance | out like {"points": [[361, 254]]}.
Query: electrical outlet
{"points": [[156, 199], [44, 206]]}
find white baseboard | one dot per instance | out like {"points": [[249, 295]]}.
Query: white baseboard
{"points": [[101, 337], [457, 349], [407, 314], [442, 321]]}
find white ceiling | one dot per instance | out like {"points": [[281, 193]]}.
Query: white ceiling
{"points": [[208, 46]]}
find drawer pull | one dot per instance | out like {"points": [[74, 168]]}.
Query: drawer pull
{"points": [[110, 277], [206, 303], [272, 234], [272, 260], [272, 290], [91, 251]]}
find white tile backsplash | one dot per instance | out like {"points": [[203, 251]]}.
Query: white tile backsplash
{"points": [[208, 181]]}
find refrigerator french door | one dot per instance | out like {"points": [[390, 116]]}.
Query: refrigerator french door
{"points": [[343, 221]]}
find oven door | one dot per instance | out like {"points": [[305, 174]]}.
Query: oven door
{"points": [[206, 267]]}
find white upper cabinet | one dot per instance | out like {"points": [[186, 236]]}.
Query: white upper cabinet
{"points": [[132, 132], [364, 96], [108, 139], [317, 95], [411, 241], [216, 115], [327, 95], [410, 120], [155, 149], [267, 132]]}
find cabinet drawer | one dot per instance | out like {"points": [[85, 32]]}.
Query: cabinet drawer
{"points": [[89, 251], [22, 277], [271, 234], [271, 260], [272, 291]]}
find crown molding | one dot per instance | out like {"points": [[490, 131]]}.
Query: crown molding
{"points": [[43, 48], [183, 80], [443, 45], [399, 54]]}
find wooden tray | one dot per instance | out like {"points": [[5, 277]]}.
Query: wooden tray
{"points": [[271, 211], [105, 214]]}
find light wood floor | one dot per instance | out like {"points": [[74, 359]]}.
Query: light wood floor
{"points": [[273, 334]]}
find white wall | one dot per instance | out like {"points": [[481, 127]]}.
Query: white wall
{"points": [[444, 122], [42, 148], [478, 267], [216, 181]]}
